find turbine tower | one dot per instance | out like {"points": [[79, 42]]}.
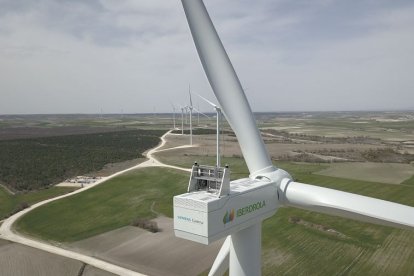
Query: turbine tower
{"points": [[182, 120], [198, 114], [218, 117], [214, 207], [190, 107], [173, 107]]}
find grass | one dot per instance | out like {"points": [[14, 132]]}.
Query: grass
{"points": [[409, 181], [9, 202], [294, 249], [106, 207]]}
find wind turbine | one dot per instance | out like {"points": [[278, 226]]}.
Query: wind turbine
{"points": [[198, 114], [191, 116], [207, 213], [173, 107], [218, 117], [182, 120]]}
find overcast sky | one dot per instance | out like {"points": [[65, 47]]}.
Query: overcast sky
{"points": [[136, 56]]}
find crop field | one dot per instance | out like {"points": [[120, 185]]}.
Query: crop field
{"points": [[156, 254], [16, 259], [398, 126], [10, 203], [113, 204], [391, 173]]}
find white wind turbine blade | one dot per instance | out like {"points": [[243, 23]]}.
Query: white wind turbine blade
{"points": [[198, 111], [191, 101], [207, 101], [227, 87], [347, 205], [182, 120], [191, 116], [221, 263], [218, 112], [173, 107]]}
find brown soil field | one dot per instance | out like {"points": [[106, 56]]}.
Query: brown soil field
{"points": [[158, 253], [93, 271], [389, 173], [230, 147], [16, 259], [20, 260], [278, 150]]}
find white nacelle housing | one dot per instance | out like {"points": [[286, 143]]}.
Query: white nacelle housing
{"points": [[205, 215]]}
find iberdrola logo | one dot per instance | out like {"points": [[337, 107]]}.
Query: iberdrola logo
{"points": [[228, 217]]}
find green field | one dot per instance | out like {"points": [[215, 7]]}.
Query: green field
{"points": [[288, 248], [9, 203], [106, 207]]}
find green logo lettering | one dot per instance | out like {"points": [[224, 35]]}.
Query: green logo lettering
{"points": [[250, 208]]}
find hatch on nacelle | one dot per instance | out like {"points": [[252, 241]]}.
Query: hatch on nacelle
{"points": [[215, 180]]}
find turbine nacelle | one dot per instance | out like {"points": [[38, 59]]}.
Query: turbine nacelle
{"points": [[214, 207]]}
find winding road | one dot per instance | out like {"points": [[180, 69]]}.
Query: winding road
{"points": [[7, 233]]}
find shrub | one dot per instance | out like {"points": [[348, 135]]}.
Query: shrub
{"points": [[146, 224]]}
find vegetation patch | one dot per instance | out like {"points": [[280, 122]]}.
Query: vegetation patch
{"points": [[28, 164], [146, 224], [319, 227], [387, 155], [13, 203]]}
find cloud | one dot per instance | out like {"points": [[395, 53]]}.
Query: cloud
{"points": [[81, 56]]}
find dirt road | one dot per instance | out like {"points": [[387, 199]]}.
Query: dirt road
{"points": [[7, 233]]}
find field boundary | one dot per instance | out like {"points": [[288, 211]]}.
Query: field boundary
{"points": [[7, 189]]}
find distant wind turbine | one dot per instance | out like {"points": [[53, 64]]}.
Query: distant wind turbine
{"points": [[218, 117], [182, 120], [173, 107], [191, 116]]}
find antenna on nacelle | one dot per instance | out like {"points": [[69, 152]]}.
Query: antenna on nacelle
{"points": [[218, 117]]}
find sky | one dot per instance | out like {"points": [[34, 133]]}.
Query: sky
{"points": [[137, 56]]}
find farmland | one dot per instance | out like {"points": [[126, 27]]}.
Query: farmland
{"points": [[111, 205], [16, 259], [333, 152], [286, 242], [11, 203]]}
